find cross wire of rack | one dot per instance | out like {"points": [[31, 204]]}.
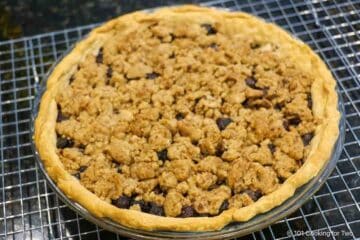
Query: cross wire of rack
{"points": [[29, 209]]}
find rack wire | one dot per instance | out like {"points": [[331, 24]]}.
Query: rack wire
{"points": [[30, 210]]}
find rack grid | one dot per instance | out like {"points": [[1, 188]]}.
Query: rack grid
{"points": [[29, 209]]}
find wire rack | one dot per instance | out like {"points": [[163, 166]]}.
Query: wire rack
{"points": [[30, 210]]}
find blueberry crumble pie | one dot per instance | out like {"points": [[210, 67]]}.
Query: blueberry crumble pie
{"points": [[186, 119]]}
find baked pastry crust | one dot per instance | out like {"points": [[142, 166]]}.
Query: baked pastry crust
{"points": [[324, 107]]}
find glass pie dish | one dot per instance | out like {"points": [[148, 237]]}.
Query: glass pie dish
{"points": [[232, 230]]}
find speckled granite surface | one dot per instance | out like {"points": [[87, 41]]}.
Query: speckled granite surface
{"points": [[23, 18]]}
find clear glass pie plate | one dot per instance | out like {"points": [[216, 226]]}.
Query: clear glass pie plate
{"points": [[232, 230]]}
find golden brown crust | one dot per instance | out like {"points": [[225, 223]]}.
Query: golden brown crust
{"points": [[324, 107]]}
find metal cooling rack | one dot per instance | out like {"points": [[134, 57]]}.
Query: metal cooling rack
{"points": [[30, 210]]}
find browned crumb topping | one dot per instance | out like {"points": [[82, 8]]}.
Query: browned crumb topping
{"points": [[184, 120]]}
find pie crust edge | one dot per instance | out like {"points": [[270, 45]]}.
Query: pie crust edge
{"points": [[325, 102]]}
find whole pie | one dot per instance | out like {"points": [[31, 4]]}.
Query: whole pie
{"points": [[186, 119]]}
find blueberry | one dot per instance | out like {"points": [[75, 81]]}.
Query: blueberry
{"points": [[82, 146], [122, 202], [251, 82], [187, 211], [172, 36], [71, 79], [156, 209], [63, 142], [224, 206], [152, 75], [309, 101], [209, 28], [162, 155], [117, 166], [219, 151], [109, 72], [82, 168], [272, 147], [131, 79], [306, 138], [214, 46], [220, 182], [158, 190], [265, 90], [179, 116], [286, 125], [100, 57], [223, 123], [254, 195], [246, 103], [212, 187], [294, 120], [279, 106], [61, 117], [172, 55], [254, 45], [143, 205]]}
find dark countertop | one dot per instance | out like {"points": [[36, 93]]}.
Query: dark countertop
{"points": [[23, 18]]}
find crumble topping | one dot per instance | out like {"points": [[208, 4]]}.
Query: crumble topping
{"points": [[184, 120]]}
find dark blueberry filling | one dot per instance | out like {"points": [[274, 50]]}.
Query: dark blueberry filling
{"points": [[100, 56], [286, 125], [254, 45], [279, 106], [294, 120], [143, 205], [122, 202], [246, 103], [158, 190], [71, 79], [187, 211], [131, 79], [82, 169], [162, 155], [251, 82], [172, 55], [219, 151], [209, 28], [63, 142], [179, 116], [61, 117], [272, 147], [109, 72], [152, 75], [222, 123], [306, 138], [224, 206], [156, 209], [309, 100], [254, 195], [214, 46]]}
